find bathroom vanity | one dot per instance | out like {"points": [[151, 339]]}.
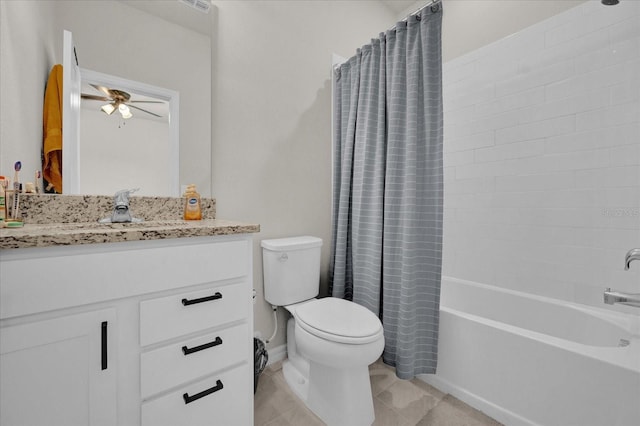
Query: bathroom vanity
{"points": [[152, 326]]}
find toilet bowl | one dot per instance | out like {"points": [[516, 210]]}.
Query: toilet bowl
{"points": [[330, 341]]}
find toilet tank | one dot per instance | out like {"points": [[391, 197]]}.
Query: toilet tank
{"points": [[291, 268]]}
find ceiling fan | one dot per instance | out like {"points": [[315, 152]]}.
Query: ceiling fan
{"points": [[118, 100]]}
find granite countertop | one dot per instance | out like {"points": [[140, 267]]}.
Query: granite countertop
{"points": [[46, 235], [53, 220]]}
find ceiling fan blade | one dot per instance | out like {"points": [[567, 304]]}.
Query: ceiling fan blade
{"points": [[102, 89], [146, 102], [144, 110], [95, 97]]}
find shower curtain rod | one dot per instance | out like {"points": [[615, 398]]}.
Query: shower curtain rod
{"points": [[429, 4]]}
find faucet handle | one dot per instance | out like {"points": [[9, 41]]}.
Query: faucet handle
{"points": [[633, 254]]}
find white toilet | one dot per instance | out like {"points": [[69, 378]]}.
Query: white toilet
{"points": [[330, 341]]}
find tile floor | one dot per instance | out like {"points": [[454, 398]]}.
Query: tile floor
{"points": [[396, 403]]}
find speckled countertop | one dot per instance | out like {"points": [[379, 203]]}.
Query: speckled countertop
{"points": [[52, 220]]}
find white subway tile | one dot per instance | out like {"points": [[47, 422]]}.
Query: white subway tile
{"points": [[452, 74], [615, 115], [619, 240], [583, 80], [456, 158], [502, 104], [460, 116], [537, 130], [628, 134], [510, 151], [536, 77], [625, 92], [469, 171], [586, 101], [458, 96], [619, 52], [562, 52], [610, 177], [540, 182], [470, 186], [592, 21], [583, 160], [627, 29], [612, 198], [627, 155], [469, 142]]}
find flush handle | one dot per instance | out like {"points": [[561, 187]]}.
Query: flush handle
{"points": [[283, 257]]}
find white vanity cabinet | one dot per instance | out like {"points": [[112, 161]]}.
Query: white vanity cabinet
{"points": [[59, 371], [142, 332]]}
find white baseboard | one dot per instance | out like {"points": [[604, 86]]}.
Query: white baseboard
{"points": [[496, 412], [277, 354]]}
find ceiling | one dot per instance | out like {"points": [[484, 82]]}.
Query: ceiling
{"points": [[400, 6]]}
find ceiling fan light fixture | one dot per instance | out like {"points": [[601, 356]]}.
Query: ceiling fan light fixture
{"points": [[125, 111], [108, 108]]}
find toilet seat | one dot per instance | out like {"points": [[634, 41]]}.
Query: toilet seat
{"points": [[339, 321]]}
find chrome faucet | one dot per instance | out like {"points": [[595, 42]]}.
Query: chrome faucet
{"points": [[631, 299], [121, 212], [633, 254]]}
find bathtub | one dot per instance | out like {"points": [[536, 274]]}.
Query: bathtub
{"points": [[531, 360]]}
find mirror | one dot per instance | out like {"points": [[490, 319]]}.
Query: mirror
{"points": [[120, 134], [165, 44]]}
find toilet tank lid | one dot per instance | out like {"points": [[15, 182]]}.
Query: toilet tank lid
{"points": [[291, 243]]}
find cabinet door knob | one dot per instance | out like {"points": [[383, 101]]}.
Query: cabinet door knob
{"points": [[188, 399], [216, 296], [216, 342]]}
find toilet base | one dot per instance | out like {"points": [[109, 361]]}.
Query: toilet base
{"points": [[341, 397], [297, 382]]}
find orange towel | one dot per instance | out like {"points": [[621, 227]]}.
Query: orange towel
{"points": [[52, 129]]}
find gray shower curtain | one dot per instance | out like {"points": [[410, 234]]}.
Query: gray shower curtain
{"points": [[388, 187]]}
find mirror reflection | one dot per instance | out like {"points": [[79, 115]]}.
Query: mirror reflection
{"points": [[123, 124]]}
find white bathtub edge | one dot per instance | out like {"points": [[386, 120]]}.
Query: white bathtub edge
{"points": [[494, 411], [625, 320]]}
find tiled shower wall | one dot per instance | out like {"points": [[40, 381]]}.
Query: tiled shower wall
{"points": [[542, 157]]}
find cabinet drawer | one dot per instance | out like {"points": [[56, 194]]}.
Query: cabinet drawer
{"points": [[185, 361], [184, 313], [80, 275], [228, 402]]}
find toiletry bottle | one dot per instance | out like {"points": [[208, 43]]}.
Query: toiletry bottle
{"points": [[192, 207], [3, 205]]}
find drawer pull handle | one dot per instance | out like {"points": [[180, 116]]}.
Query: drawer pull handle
{"points": [[187, 302], [216, 388], [188, 351]]}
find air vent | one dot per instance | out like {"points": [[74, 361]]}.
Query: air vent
{"points": [[200, 5]]}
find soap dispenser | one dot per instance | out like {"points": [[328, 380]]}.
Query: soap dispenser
{"points": [[192, 205]]}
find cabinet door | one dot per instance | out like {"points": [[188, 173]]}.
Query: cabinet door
{"points": [[59, 371]]}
